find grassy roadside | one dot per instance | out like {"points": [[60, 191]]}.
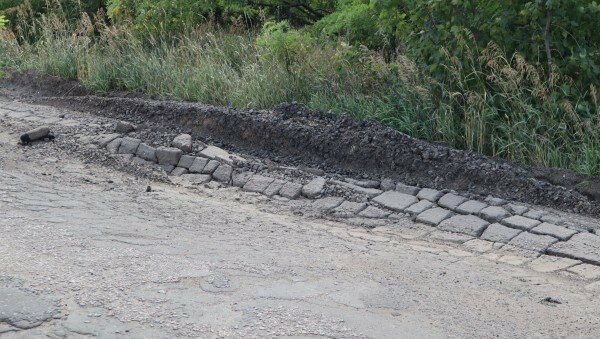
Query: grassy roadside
{"points": [[493, 104]]}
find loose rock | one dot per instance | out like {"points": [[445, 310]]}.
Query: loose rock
{"points": [[183, 142], [314, 188]]}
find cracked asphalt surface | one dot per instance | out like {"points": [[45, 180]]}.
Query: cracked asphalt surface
{"points": [[86, 251]]}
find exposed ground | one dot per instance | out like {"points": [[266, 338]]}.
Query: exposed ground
{"points": [[88, 251]]}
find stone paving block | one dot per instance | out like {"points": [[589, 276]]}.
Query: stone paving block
{"points": [[197, 179], [211, 167], [582, 246], [274, 187], [104, 139], [522, 223], [559, 232], [258, 183], [168, 155], [434, 216], [374, 212], [198, 165], [499, 233], [348, 209], [364, 183], [429, 194], [465, 224], [183, 142], [240, 179], [325, 204], [167, 168], [586, 271], [216, 153], [535, 214], [478, 245], [129, 145], [494, 213], [179, 171], [314, 188], [186, 161], [493, 201], [146, 152], [223, 173], [291, 190], [451, 201], [420, 207], [532, 242], [548, 263], [387, 185], [451, 237], [406, 189], [471, 207], [516, 209], [370, 192], [113, 146], [552, 219], [395, 201]]}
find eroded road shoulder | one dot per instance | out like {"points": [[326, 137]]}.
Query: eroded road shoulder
{"points": [[101, 256]]}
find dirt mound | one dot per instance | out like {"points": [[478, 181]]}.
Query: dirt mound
{"points": [[293, 134]]}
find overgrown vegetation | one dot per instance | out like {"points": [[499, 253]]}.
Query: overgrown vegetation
{"points": [[513, 86]]}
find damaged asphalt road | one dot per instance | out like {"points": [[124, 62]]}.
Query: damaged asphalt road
{"points": [[87, 251]]}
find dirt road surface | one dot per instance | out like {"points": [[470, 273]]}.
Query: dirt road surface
{"points": [[86, 251]]}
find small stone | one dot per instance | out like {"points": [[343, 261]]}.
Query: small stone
{"points": [[420, 207], [451, 201], [124, 127], [314, 188], [434, 216], [499, 233], [516, 209], [210, 167], [146, 152], [374, 212], [196, 179], [113, 146], [274, 188], [532, 242], [348, 209], [198, 165], [129, 145], [429, 194], [494, 213], [586, 271], [517, 221], [240, 179], [149, 189], [395, 201], [471, 207], [258, 184], [387, 184], [495, 201], [168, 155], [183, 142], [223, 173], [559, 232], [325, 204], [179, 171], [547, 263], [186, 161], [291, 190], [411, 190], [465, 224]]}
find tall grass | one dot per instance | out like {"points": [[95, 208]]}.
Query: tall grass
{"points": [[489, 103]]}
